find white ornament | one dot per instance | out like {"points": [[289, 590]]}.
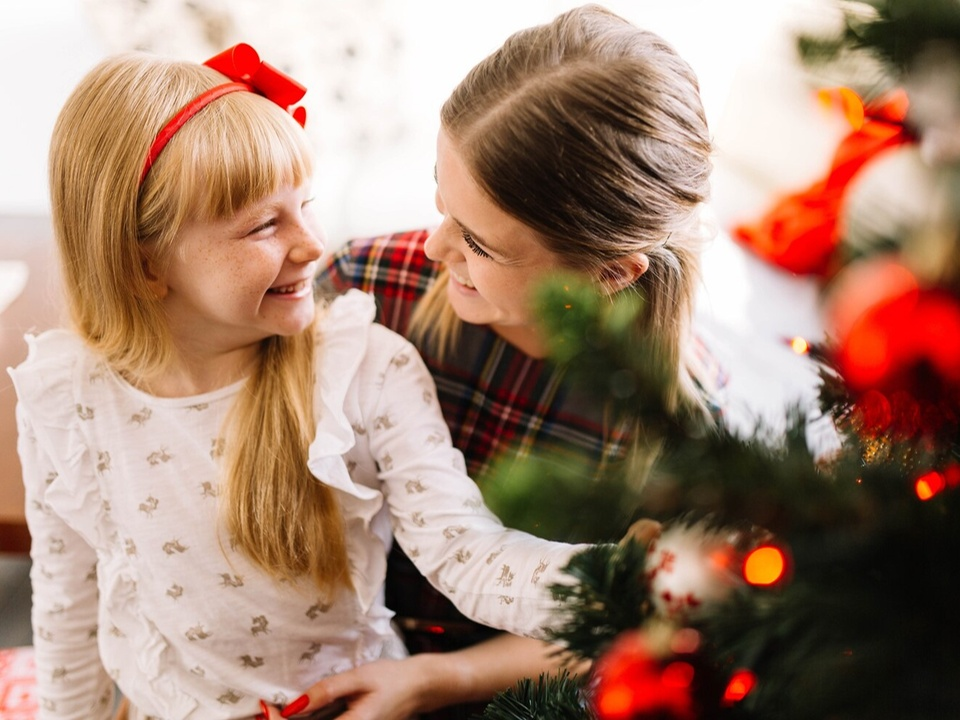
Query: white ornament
{"points": [[689, 566]]}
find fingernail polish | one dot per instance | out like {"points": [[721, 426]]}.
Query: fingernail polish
{"points": [[296, 706], [264, 710]]}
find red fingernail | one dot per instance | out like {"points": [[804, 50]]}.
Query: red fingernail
{"points": [[296, 706], [265, 711]]}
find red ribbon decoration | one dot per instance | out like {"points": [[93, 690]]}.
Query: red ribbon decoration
{"points": [[242, 64], [801, 232]]}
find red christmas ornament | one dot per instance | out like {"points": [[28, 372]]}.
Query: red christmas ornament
{"points": [[898, 350], [893, 337], [633, 681]]}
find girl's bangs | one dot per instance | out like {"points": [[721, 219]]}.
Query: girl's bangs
{"points": [[244, 150]]}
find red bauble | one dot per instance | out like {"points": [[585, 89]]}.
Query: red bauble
{"points": [[895, 339], [898, 350], [635, 681]]}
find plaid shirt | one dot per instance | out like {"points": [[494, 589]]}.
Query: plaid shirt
{"points": [[495, 399]]}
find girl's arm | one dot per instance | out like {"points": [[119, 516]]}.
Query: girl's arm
{"points": [[494, 575], [71, 682]]}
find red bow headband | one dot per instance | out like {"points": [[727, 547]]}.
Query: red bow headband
{"points": [[242, 65]]}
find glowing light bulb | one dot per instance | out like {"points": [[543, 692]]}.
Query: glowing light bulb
{"points": [[764, 565], [929, 484], [799, 345], [740, 685]]}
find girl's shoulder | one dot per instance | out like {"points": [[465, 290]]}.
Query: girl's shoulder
{"points": [[50, 383], [354, 351], [51, 344], [349, 332], [53, 360]]}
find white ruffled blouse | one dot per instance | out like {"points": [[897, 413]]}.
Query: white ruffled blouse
{"points": [[134, 585]]}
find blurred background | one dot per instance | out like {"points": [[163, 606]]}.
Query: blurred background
{"points": [[376, 71]]}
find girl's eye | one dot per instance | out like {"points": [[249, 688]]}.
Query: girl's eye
{"points": [[262, 227], [471, 243]]}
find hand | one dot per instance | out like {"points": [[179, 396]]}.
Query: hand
{"points": [[644, 531], [399, 689], [335, 709], [380, 690]]}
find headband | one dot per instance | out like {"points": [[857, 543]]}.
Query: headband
{"points": [[242, 65]]}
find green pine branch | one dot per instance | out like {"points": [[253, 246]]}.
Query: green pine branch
{"points": [[607, 594], [550, 698]]}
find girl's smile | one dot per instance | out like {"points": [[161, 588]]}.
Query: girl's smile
{"points": [[294, 291], [233, 282]]}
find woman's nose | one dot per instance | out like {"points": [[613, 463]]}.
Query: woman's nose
{"points": [[440, 245]]}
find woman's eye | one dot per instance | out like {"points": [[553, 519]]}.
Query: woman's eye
{"points": [[471, 243]]}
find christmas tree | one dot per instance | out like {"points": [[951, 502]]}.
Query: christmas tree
{"points": [[780, 583]]}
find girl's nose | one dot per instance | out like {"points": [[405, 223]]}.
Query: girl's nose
{"points": [[441, 245], [308, 245]]}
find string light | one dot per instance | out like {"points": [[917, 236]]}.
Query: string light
{"points": [[764, 565], [799, 345], [741, 683], [929, 484]]}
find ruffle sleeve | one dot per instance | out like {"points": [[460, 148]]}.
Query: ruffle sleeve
{"points": [[62, 505], [49, 403], [345, 335]]}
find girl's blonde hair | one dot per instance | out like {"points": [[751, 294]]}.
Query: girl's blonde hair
{"points": [[114, 236], [591, 132]]}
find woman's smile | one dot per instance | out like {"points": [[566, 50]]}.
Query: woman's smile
{"points": [[460, 279]]}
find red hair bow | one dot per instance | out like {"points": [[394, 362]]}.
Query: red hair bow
{"points": [[241, 63]]}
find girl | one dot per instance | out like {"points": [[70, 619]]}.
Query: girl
{"points": [[213, 466]]}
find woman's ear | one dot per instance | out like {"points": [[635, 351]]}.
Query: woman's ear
{"points": [[623, 272]]}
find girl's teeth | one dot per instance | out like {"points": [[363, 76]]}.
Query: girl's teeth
{"points": [[287, 288]]}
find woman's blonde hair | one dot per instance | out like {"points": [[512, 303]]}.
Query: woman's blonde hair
{"points": [[591, 132], [115, 237]]}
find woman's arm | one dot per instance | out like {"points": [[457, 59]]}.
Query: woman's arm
{"points": [[399, 689]]}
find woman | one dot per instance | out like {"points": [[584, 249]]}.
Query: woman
{"points": [[579, 145]]}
